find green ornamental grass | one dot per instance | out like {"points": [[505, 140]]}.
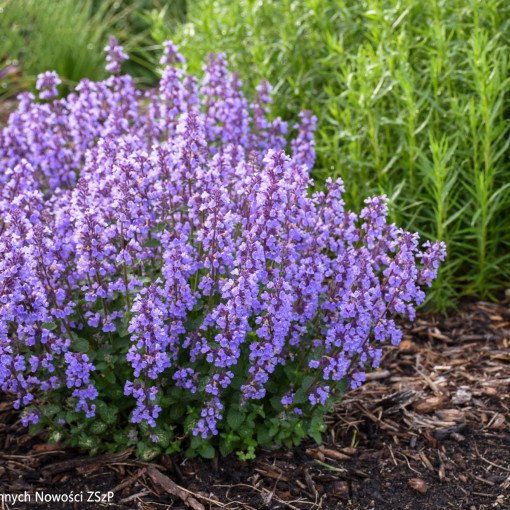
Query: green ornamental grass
{"points": [[69, 37]]}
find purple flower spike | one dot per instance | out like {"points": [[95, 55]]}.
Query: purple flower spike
{"points": [[114, 56], [171, 55], [47, 84]]}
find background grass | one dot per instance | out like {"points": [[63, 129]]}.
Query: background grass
{"points": [[412, 100], [69, 36], [65, 36]]}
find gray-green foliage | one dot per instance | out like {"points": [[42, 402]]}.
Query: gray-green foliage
{"points": [[412, 100]]}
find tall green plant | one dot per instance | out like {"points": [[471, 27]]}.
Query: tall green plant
{"points": [[66, 36], [412, 100]]}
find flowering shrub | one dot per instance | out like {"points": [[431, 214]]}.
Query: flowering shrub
{"points": [[165, 276]]}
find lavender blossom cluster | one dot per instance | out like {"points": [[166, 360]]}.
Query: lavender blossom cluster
{"points": [[175, 218]]}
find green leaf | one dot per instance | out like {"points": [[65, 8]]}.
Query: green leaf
{"points": [[98, 427], [300, 397], [317, 422], [299, 431], [166, 401], [153, 243], [127, 317], [123, 330], [198, 306], [163, 437], [207, 451], [50, 410], [34, 429], [247, 455], [291, 372], [342, 386], [108, 413], [235, 418], [238, 381], [246, 431], [176, 411], [190, 423], [226, 448], [56, 436], [176, 393], [121, 437], [260, 412], [49, 325], [113, 392], [109, 376], [264, 436], [194, 324], [316, 436], [147, 451], [175, 447], [190, 453], [70, 417], [307, 381], [277, 404], [88, 442], [196, 442], [103, 353], [122, 343], [81, 345]]}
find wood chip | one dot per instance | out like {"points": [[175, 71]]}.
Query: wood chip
{"points": [[348, 450], [311, 485], [418, 485], [129, 481], [498, 421], [333, 454], [270, 473], [435, 333], [407, 346], [86, 470], [462, 397], [140, 494], [46, 447], [172, 488], [316, 453], [426, 461], [450, 415], [441, 472], [377, 375], [340, 490], [429, 404]]}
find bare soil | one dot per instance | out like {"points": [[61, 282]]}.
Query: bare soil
{"points": [[429, 430]]}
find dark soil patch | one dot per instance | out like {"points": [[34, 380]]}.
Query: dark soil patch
{"points": [[429, 430]]}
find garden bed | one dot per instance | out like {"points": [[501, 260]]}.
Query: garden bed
{"points": [[429, 430]]}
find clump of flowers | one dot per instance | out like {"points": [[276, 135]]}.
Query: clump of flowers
{"points": [[167, 274]]}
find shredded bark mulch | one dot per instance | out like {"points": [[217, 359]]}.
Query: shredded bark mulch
{"points": [[429, 430]]}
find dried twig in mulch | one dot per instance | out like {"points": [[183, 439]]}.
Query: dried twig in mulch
{"points": [[429, 430]]}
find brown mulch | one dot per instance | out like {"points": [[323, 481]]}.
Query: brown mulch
{"points": [[429, 430]]}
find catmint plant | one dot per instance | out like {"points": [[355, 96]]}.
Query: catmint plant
{"points": [[168, 276]]}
